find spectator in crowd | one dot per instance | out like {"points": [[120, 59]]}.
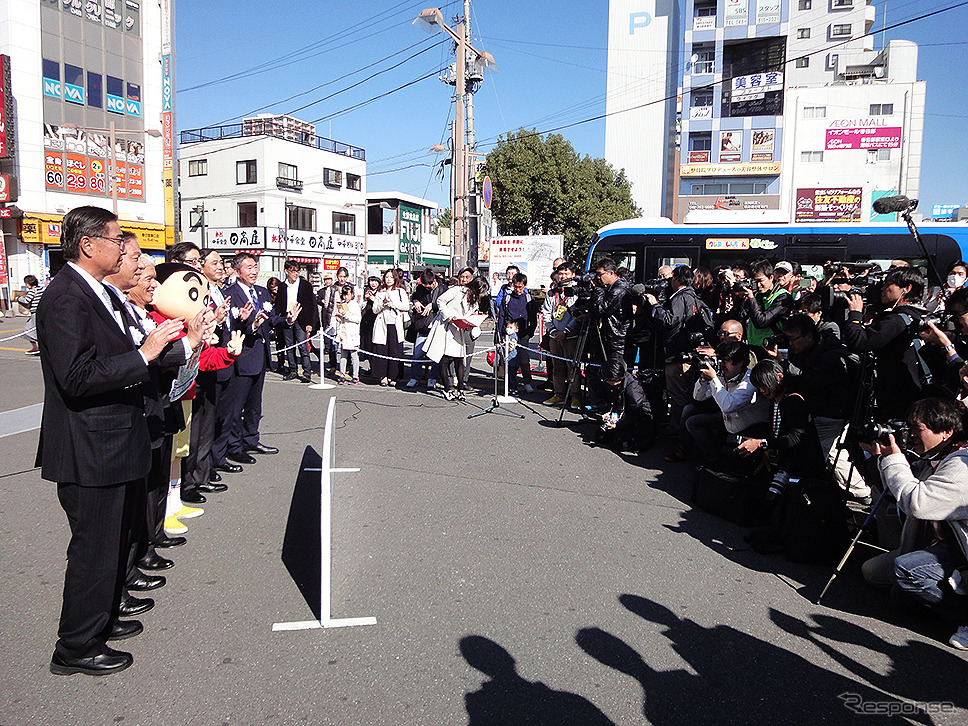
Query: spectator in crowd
{"points": [[664, 272], [369, 317], [188, 253], [741, 412], [706, 288], [931, 576], [348, 316], [390, 305], [771, 302], [297, 291], [29, 302], [509, 274], [497, 283], [326, 298], [425, 309], [519, 308], [449, 343], [279, 364], [562, 328], [811, 305], [898, 379], [956, 280]]}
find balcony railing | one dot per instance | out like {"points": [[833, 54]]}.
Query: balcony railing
{"points": [[235, 131], [284, 182]]}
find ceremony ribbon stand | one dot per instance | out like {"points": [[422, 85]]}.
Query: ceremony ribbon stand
{"points": [[497, 402], [322, 385], [325, 540]]}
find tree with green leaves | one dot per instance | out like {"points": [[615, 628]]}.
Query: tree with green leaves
{"points": [[543, 186]]}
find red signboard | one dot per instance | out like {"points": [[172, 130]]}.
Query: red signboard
{"points": [[76, 172], [54, 170], [3, 266], [698, 157], [136, 186], [829, 204], [4, 80], [97, 176]]}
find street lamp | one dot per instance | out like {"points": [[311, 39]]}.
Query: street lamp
{"points": [[113, 133], [365, 205], [432, 21]]}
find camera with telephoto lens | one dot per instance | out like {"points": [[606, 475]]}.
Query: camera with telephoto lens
{"points": [[945, 321], [657, 287], [777, 340], [873, 432], [866, 281], [746, 284], [583, 290]]}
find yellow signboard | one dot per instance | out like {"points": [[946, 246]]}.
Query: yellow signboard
{"points": [[45, 229], [752, 168]]}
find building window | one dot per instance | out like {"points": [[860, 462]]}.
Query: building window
{"points": [[840, 30], [95, 90], [878, 155], [302, 218], [245, 172], [843, 3], [705, 58], [354, 182], [73, 84], [332, 177], [815, 112], [114, 100], [344, 223], [705, 10], [802, 62], [806, 4], [732, 189], [288, 171], [198, 167], [702, 141], [247, 214], [832, 60], [811, 157], [882, 109], [803, 33], [701, 97]]}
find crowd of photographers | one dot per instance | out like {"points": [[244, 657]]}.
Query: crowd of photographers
{"points": [[806, 403]]}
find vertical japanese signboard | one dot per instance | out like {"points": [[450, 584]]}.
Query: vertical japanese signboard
{"points": [[167, 120], [410, 222], [6, 109]]}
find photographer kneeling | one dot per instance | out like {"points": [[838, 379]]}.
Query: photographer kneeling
{"points": [[933, 576], [743, 413], [612, 308]]}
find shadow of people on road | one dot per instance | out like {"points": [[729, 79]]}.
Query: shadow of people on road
{"points": [[507, 699], [300, 546], [732, 677]]}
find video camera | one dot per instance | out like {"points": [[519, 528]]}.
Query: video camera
{"points": [[583, 290], [657, 287], [944, 320], [865, 279], [872, 432]]}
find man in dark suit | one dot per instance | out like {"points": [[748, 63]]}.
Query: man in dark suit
{"points": [[297, 290], [93, 438], [252, 313]]}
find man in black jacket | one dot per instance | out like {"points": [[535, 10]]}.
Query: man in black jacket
{"points": [[766, 308], [93, 437], [297, 290], [424, 301], [898, 370], [612, 308], [681, 315]]}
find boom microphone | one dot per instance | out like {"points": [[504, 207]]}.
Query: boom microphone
{"points": [[891, 205]]}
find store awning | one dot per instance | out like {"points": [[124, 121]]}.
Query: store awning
{"points": [[40, 228]]}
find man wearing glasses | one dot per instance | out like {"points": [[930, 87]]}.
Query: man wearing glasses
{"points": [[94, 439]]}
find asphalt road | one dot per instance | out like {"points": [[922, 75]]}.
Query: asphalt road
{"points": [[517, 575]]}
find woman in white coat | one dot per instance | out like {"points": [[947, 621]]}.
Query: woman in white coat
{"points": [[348, 315], [391, 305], [449, 345]]}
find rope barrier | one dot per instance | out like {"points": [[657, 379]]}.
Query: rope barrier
{"points": [[21, 334]]}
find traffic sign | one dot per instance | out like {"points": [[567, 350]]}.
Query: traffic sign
{"points": [[488, 192]]}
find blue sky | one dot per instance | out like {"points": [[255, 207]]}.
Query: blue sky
{"points": [[551, 57]]}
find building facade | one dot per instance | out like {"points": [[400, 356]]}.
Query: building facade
{"points": [[84, 122], [271, 186], [641, 86], [789, 112], [400, 233]]}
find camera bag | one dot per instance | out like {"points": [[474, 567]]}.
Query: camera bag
{"points": [[814, 528], [734, 497]]}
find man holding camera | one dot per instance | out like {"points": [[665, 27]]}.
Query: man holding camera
{"points": [[682, 314], [890, 336], [934, 576], [770, 303], [612, 307], [562, 329]]}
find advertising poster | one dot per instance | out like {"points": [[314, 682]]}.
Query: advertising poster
{"points": [[97, 176], [767, 11], [54, 169], [737, 13], [830, 204], [532, 254], [875, 217], [120, 179], [730, 146], [3, 266], [136, 184], [863, 138], [76, 165], [762, 149], [698, 157]]}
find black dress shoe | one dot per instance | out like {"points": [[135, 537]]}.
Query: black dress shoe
{"points": [[262, 449], [229, 468], [125, 629], [110, 661], [215, 477], [192, 497], [135, 606], [241, 457], [212, 488], [144, 583], [166, 542], [155, 562], [290, 376]]}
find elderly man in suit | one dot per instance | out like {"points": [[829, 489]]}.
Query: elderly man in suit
{"points": [[297, 290], [94, 440], [251, 312]]}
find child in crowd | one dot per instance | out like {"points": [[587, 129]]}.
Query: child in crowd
{"points": [[348, 315]]}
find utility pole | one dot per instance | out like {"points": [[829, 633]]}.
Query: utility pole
{"points": [[470, 158]]}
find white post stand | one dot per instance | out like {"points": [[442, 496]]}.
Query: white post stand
{"points": [[325, 541], [322, 385]]}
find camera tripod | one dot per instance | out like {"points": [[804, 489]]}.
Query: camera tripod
{"points": [[578, 362]]}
